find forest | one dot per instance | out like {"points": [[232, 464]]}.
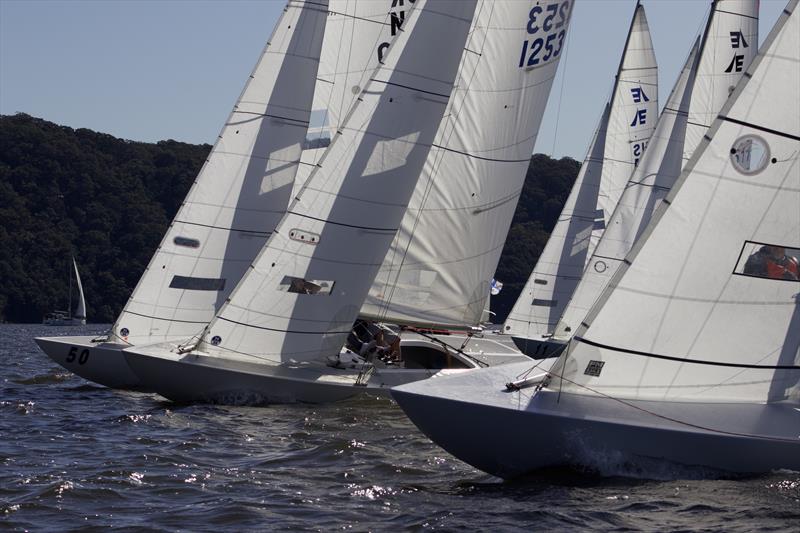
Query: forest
{"points": [[108, 201]]}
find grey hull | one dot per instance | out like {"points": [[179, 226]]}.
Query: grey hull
{"points": [[509, 434]]}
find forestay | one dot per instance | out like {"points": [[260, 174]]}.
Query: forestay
{"points": [[239, 195], [634, 111], [439, 267], [561, 264], [701, 314], [649, 184], [730, 44], [303, 292]]}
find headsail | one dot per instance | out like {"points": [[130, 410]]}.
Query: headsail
{"points": [[729, 45], [240, 194], [439, 267], [304, 290], [80, 310], [649, 184], [708, 308]]}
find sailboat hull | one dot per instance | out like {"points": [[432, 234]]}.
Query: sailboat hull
{"points": [[527, 430], [199, 378], [102, 363]]}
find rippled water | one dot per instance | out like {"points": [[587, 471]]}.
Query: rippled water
{"points": [[77, 455]]}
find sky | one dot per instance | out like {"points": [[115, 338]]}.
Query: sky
{"points": [[149, 70]]}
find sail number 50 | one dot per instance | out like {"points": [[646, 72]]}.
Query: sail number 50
{"points": [[82, 357], [549, 20]]}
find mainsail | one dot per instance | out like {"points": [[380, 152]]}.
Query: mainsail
{"points": [[239, 195], [706, 306], [618, 144], [301, 295], [440, 264], [730, 44]]}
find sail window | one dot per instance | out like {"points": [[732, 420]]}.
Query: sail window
{"points": [[197, 284], [540, 281], [305, 286], [750, 154], [769, 261], [186, 241], [544, 303]]}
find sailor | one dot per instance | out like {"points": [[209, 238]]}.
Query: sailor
{"points": [[772, 262]]}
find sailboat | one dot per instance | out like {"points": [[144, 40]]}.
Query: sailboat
{"points": [[234, 204], [618, 144], [691, 356], [731, 30], [280, 335], [66, 318]]}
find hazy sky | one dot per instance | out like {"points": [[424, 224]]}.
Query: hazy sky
{"points": [[149, 70]]}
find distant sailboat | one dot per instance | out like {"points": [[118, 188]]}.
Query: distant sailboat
{"points": [[692, 353], [67, 318]]}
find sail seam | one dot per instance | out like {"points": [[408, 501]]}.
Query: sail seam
{"points": [[368, 228], [284, 330], [481, 157], [166, 319], [410, 88], [263, 233], [683, 360]]}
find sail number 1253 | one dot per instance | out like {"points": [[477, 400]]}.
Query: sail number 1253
{"points": [[549, 23]]}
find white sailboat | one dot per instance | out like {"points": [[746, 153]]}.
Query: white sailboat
{"points": [[279, 338], [692, 354], [619, 143], [67, 318], [234, 204]]}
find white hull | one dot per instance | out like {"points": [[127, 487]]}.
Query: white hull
{"points": [[509, 434], [102, 363], [197, 377]]}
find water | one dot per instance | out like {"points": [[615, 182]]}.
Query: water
{"points": [[77, 455]]}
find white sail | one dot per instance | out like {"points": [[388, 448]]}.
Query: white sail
{"points": [[619, 142], [729, 45], [701, 314], [304, 290], [649, 184], [440, 265], [560, 267], [80, 310], [634, 111], [239, 195], [356, 34]]}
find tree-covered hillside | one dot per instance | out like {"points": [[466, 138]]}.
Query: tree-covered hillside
{"points": [[108, 201]]}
